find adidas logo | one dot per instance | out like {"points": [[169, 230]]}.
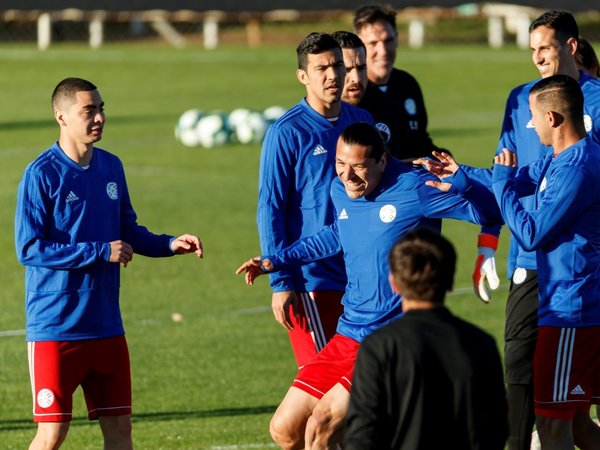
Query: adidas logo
{"points": [[577, 390], [343, 215], [319, 150], [71, 197], [530, 124]]}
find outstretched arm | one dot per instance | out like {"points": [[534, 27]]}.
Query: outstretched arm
{"points": [[187, 243]]}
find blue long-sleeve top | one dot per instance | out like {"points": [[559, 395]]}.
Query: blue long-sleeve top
{"points": [[562, 227], [518, 135], [65, 219], [297, 165], [366, 228]]}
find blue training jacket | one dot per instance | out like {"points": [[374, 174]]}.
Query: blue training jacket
{"points": [[366, 228], [518, 135], [65, 219], [297, 165], [562, 228]]}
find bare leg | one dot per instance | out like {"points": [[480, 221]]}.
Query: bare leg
{"points": [[50, 435], [289, 421], [555, 434], [586, 433], [117, 432], [324, 429]]}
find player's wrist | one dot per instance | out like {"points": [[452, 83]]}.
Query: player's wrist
{"points": [[487, 240]]}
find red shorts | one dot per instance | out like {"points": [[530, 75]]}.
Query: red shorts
{"points": [[566, 371], [334, 364], [100, 366], [317, 317]]}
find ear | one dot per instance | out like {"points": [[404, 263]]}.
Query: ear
{"points": [[393, 284], [573, 45], [554, 118], [302, 76], [59, 116]]}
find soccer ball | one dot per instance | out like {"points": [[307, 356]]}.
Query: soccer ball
{"points": [[251, 129], [237, 117], [185, 129], [212, 130], [272, 113]]}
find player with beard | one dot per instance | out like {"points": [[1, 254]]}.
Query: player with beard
{"points": [[297, 165], [356, 92]]}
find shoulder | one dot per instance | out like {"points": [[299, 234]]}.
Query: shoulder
{"points": [[106, 158], [521, 92], [402, 76], [298, 119], [42, 161], [584, 154], [354, 113]]}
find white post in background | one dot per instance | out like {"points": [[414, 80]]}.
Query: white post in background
{"points": [[96, 32], [416, 33], [495, 32], [211, 33], [44, 31], [522, 24]]}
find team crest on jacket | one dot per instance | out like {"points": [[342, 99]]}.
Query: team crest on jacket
{"points": [[543, 185], [587, 122], [387, 213], [410, 106], [112, 191], [384, 131]]}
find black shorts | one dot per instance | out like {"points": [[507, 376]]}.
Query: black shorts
{"points": [[520, 332]]}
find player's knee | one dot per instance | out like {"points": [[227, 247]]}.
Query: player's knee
{"points": [[50, 436], [321, 421], [283, 435]]}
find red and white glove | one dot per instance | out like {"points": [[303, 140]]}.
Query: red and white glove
{"points": [[484, 274]]}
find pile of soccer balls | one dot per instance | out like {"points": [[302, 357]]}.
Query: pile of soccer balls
{"points": [[198, 129]]}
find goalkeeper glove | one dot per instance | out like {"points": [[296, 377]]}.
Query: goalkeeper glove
{"points": [[485, 274]]}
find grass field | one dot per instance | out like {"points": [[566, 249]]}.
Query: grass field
{"points": [[212, 380]]}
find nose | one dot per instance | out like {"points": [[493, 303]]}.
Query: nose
{"points": [[537, 57], [352, 76], [99, 117]]}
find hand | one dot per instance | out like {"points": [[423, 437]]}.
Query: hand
{"points": [[506, 158], [282, 303], [485, 267], [187, 243], [120, 252], [445, 167], [254, 268]]}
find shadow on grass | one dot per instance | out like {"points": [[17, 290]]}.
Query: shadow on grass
{"points": [[51, 123], [24, 424]]}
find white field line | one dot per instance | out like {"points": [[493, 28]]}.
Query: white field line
{"points": [[12, 333], [250, 311]]}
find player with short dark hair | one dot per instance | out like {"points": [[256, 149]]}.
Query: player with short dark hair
{"points": [[562, 229], [376, 199], [426, 364], [296, 169], [74, 227], [554, 43]]}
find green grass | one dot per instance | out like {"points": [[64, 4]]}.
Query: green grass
{"points": [[214, 379]]}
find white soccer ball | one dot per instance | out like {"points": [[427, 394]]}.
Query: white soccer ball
{"points": [[237, 117], [252, 129], [185, 129], [272, 113], [212, 130]]}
